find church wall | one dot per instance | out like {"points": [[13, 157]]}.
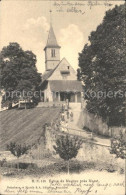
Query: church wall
{"points": [[79, 97], [48, 96], [63, 66], [51, 62], [51, 65]]}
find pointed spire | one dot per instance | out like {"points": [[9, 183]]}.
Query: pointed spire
{"points": [[50, 17], [52, 42]]}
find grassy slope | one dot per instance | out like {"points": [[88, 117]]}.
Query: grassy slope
{"points": [[24, 126]]}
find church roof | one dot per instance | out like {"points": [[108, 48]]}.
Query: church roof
{"points": [[48, 73], [51, 41], [65, 85]]}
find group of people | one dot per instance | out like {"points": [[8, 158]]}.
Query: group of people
{"points": [[67, 115]]}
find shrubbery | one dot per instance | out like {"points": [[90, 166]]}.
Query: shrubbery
{"points": [[118, 147], [67, 147]]}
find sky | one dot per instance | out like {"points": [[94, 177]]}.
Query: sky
{"points": [[27, 22]]}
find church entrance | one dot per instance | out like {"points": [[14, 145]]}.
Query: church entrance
{"points": [[67, 96]]}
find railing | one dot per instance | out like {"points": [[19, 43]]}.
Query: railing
{"points": [[51, 104]]}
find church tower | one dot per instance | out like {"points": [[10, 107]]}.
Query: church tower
{"points": [[52, 51]]}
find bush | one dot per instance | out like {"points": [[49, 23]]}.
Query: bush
{"points": [[20, 165], [121, 171], [118, 147], [2, 162], [17, 149], [67, 147], [111, 168]]}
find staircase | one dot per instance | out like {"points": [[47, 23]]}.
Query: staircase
{"points": [[76, 109]]}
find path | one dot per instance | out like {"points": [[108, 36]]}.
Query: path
{"points": [[75, 130]]}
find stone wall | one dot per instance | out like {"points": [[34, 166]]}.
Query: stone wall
{"points": [[94, 123], [50, 137]]}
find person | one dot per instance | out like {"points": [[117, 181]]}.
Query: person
{"points": [[63, 107], [67, 114], [42, 99], [71, 116], [66, 127], [63, 126], [62, 116]]}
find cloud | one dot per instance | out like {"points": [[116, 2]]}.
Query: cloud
{"points": [[31, 35], [40, 22], [71, 36], [71, 40], [36, 30]]}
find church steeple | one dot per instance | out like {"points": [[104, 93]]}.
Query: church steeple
{"points": [[52, 42], [52, 51]]}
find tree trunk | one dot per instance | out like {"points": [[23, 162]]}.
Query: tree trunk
{"points": [[25, 104], [10, 105], [18, 165], [68, 163]]}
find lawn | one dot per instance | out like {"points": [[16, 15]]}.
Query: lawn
{"points": [[24, 126]]}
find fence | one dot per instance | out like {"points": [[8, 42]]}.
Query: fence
{"points": [[50, 104]]}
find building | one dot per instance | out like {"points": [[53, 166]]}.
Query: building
{"points": [[59, 82]]}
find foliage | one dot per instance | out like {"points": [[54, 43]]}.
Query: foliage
{"points": [[78, 74], [67, 147], [102, 66], [2, 162], [17, 149], [18, 73], [118, 147]]}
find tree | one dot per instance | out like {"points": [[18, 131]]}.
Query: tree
{"points": [[78, 74], [18, 73], [67, 147], [118, 147], [102, 68], [17, 149]]}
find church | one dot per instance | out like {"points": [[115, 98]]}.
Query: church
{"points": [[59, 82]]}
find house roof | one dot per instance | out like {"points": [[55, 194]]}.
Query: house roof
{"points": [[51, 41], [65, 85]]}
